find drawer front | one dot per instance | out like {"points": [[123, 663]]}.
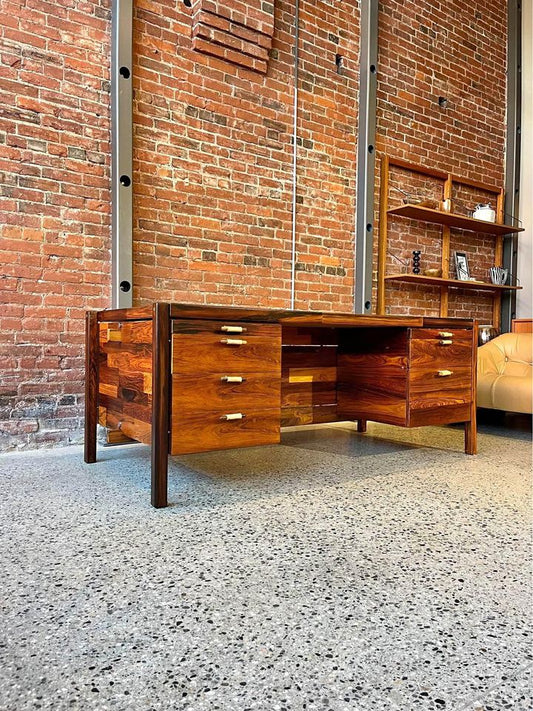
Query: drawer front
{"points": [[440, 348], [436, 387], [209, 347], [227, 391], [208, 431]]}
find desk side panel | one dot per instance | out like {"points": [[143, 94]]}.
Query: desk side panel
{"points": [[372, 375], [125, 383]]}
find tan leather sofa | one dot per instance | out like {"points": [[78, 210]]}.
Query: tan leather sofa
{"points": [[505, 380]]}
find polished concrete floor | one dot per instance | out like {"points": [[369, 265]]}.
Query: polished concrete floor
{"points": [[337, 571]]}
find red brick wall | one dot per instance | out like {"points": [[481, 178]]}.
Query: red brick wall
{"points": [[213, 163], [456, 50], [212, 167], [54, 206]]}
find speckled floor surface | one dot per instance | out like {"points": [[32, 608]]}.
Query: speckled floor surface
{"points": [[339, 572]]}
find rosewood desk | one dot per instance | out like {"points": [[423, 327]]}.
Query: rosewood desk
{"points": [[187, 378]]}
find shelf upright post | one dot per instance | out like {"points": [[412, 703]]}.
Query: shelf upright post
{"points": [[445, 252], [498, 260], [383, 227]]}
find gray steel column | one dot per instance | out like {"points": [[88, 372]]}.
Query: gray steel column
{"points": [[512, 150], [122, 153], [366, 157], [295, 150]]}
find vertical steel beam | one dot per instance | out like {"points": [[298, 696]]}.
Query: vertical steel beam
{"points": [[295, 150], [512, 150], [366, 157], [122, 153]]}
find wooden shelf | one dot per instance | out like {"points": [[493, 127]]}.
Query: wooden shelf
{"points": [[450, 219], [439, 281]]}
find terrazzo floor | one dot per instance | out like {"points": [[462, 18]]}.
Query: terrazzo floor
{"points": [[335, 572]]}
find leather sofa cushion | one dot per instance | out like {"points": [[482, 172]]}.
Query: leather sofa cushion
{"points": [[505, 373]]}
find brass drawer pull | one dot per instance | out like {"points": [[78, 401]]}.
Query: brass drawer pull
{"points": [[445, 342], [445, 334], [444, 373], [232, 416], [233, 329], [232, 379], [234, 341]]}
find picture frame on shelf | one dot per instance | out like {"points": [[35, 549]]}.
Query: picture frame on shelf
{"points": [[462, 271]]}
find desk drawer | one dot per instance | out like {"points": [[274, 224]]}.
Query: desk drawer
{"points": [[435, 387], [206, 431], [441, 348], [220, 347], [227, 391]]}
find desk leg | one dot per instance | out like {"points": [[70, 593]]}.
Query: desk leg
{"points": [[361, 425], [471, 426], [471, 433], [91, 386], [160, 403]]}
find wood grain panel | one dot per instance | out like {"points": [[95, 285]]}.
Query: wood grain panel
{"points": [[363, 404], [442, 415], [427, 380], [129, 425], [133, 409], [430, 400], [460, 335], [204, 351], [205, 431], [125, 377], [293, 416], [201, 327], [302, 336], [131, 388], [373, 375], [309, 375], [430, 352], [308, 394], [192, 393]]}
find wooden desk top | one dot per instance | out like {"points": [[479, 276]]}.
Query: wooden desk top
{"points": [[282, 316]]}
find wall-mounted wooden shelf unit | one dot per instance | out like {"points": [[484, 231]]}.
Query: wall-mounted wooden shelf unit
{"points": [[448, 220], [460, 222]]}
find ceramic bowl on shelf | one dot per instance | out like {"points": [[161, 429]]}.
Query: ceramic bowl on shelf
{"points": [[433, 272]]}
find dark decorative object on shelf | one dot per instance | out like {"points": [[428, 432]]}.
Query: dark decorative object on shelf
{"points": [[416, 261]]}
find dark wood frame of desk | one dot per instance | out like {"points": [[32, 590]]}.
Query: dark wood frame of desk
{"points": [[395, 351]]}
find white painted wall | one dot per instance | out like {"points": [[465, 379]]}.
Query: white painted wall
{"points": [[524, 299]]}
